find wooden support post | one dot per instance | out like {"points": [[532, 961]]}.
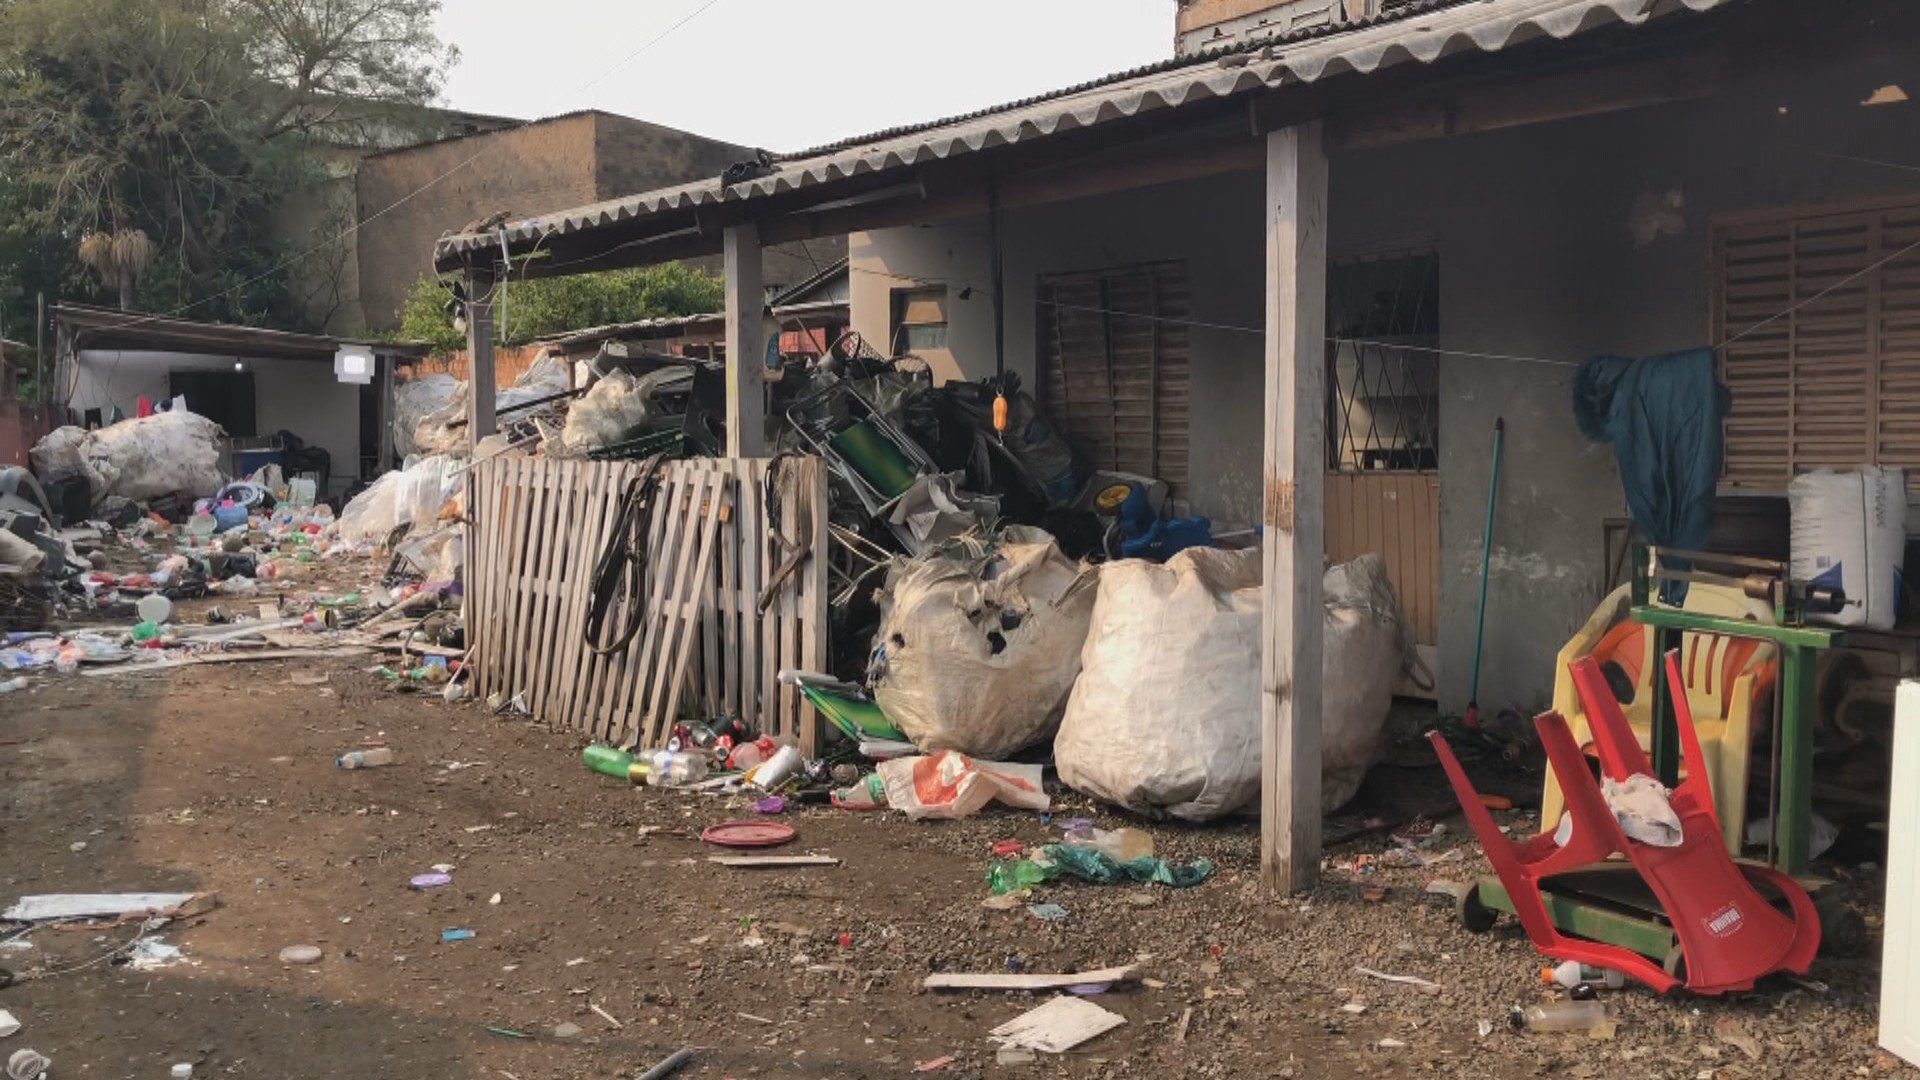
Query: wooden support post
{"points": [[383, 443], [481, 281], [746, 343], [1291, 652]]}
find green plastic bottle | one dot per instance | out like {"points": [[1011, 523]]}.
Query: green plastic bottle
{"points": [[145, 631], [1012, 875], [607, 760]]}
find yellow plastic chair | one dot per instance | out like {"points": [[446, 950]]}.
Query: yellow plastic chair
{"points": [[1729, 682]]}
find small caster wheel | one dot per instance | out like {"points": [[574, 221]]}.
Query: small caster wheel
{"points": [[1675, 965], [1843, 930], [1477, 917]]}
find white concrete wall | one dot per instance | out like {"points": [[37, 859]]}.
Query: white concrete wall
{"points": [[295, 395], [1535, 261]]}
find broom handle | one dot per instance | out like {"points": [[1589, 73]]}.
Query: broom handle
{"points": [[1486, 557]]}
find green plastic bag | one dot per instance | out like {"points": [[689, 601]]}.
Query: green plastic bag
{"points": [[1092, 864]]}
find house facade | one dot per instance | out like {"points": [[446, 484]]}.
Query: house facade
{"points": [[1305, 277], [1468, 277]]}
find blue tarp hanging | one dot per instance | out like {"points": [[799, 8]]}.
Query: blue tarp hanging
{"points": [[1662, 414]]}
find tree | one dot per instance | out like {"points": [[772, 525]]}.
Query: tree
{"points": [[328, 63], [537, 309], [187, 120]]}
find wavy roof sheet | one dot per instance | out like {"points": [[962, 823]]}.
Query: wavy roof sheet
{"points": [[1420, 34]]}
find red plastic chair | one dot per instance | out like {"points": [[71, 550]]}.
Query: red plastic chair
{"points": [[1521, 865], [1729, 934]]}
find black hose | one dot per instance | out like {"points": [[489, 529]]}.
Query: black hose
{"points": [[624, 558]]}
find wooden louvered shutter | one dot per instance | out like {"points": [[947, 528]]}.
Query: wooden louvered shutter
{"points": [[1825, 370], [1114, 371]]}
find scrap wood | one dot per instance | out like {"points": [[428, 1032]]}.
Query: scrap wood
{"points": [[1058, 1026], [114, 907], [1404, 980], [756, 862], [605, 1015], [999, 981], [226, 658], [1186, 1020]]}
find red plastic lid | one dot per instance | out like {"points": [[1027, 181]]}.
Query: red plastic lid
{"points": [[748, 834]]}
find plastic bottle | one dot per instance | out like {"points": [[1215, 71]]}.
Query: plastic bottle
{"points": [[784, 765], [1565, 1016], [1004, 876], [365, 759], [670, 768], [1573, 973], [145, 631], [607, 760], [18, 682]]}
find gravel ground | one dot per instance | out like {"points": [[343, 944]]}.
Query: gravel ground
{"points": [[222, 779]]}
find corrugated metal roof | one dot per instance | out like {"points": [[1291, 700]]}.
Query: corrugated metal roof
{"points": [[1427, 35]]}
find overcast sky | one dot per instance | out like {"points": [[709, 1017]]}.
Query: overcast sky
{"points": [[788, 74]]}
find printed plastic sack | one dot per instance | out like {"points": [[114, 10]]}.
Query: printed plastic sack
{"points": [[951, 785], [175, 452], [1850, 532], [1165, 716], [976, 651]]}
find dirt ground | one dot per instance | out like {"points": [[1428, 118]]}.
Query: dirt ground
{"points": [[222, 779]]}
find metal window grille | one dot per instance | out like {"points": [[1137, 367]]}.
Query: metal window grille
{"points": [[1383, 407]]}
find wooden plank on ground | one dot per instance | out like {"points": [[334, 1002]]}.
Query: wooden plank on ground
{"points": [[1006, 981]]}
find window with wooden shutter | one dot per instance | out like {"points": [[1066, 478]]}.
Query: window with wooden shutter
{"points": [[1820, 312], [1114, 367]]}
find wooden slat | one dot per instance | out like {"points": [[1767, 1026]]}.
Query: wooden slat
{"points": [[1820, 384], [539, 527]]}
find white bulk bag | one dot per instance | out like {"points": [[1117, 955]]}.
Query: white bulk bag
{"points": [[1165, 716], [977, 653], [1850, 531], [175, 452]]}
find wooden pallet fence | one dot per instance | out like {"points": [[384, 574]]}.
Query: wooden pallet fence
{"points": [[719, 535]]}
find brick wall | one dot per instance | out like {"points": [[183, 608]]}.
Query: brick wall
{"points": [[21, 426]]}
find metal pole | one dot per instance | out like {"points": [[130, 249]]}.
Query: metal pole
{"points": [[40, 350]]}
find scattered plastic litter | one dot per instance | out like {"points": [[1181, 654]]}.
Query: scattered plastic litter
{"points": [[1058, 1026], [1047, 912], [152, 954], [455, 933], [28, 1065], [300, 954]]}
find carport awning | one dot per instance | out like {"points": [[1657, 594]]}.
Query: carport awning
{"points": [[1422, 32], [103, 328]]}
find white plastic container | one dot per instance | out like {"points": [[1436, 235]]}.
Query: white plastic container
{"points": [[1850, 532]]}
